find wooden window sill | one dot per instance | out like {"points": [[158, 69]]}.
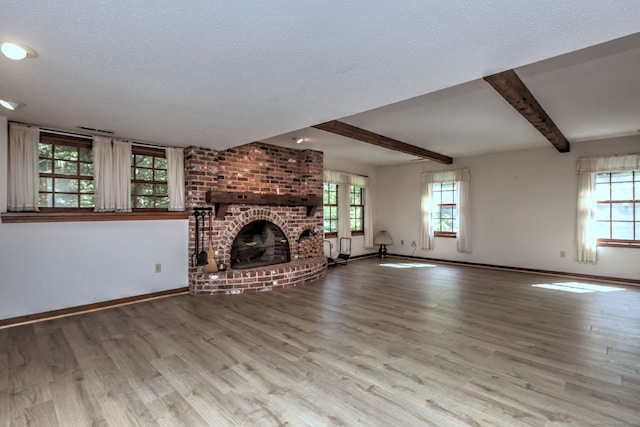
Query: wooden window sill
{"points": [[447, 235], [633, 245], [15, 217]]}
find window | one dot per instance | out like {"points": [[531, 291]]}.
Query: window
{"points": [[445, 211], [618, 208], [66, 172], [149, 188], [356, 209], [330, 211]]}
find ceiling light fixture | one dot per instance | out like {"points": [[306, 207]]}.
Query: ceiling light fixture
{"points": [[16, 51], [10, 104], [298, 140]]}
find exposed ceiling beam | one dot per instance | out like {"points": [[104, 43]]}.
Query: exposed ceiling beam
{"points": [[514, 91], [363, 135]]}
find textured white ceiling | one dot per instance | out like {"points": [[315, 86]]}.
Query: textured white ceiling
{"points": [[220, 74]]}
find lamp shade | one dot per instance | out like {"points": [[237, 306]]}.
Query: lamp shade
{"points": [[382, 238]]}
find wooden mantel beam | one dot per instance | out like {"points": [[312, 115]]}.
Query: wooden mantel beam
{"points": [[344, 129], [514, 91]]}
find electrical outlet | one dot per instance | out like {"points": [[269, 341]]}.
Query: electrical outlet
{"points": [[562, 254], [158, 268], [413, 244], [402, 242]]}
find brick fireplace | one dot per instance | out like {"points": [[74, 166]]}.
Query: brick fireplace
{"points": [[256, 183]]}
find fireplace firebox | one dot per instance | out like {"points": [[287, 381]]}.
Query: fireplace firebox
{"points": [[259, 243]]}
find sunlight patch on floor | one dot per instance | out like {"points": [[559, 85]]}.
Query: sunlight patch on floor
{"points": [[407, 265], [577, 287]]}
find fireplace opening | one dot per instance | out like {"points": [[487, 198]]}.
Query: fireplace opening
{"points": [[259, 243]]}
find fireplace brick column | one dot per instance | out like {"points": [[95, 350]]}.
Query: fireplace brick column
{"points": [[262, 169]]}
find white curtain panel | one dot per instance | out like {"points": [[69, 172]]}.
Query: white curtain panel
{"points": [[103, 174], [121, 176], [344, 214], [23, 171], [426, 225], [175, 179], [368, 218], [463, 234], [586, 240]]}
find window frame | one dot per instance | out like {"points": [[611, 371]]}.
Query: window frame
{"points": [[50, 214], [359, 231], [155, 153], [438, 220], [330, 205], [68, 141], [635, 206]]}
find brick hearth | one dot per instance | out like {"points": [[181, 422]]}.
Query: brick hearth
{"points": [[261, 169]]}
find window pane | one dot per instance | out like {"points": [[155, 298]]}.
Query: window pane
{"points": [[63, 167], [602, 192], [144, 201], [622, 191], [447, 225], [622, 211], [46, 184], [622, 230], [44, 200], [144, 174], [447, 186], [86, 186], [144, 161], [162, 202], [603, 212], [45, 166], [87, 201], [621, 176], [66, 200], [65, 153], [86, 154], [602, 177], [44, 150], [637, 237], [162, 189], [447, 212], [447, 197], [161, 163], [144, 189], [161, 175], [603, 230], [86, 169], [66, 185]]}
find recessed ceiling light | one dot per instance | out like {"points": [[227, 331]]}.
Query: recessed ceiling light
{"points": [[298, 140], [16, 51], [10, 104]]}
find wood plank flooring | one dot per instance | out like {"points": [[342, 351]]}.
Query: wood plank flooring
{"points": [[398, 345]]}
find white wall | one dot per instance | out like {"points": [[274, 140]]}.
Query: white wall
{"points": [[523, 206], [48, 266], [343, 165]]}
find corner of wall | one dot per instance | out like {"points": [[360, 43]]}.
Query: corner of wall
{"points": [[4, 162]]}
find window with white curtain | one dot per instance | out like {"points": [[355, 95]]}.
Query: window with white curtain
{"points": [[66, 173], [608, 208], [445, 208], [77, 173], [348, 206]]}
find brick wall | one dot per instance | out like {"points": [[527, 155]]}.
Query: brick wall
{"points": [[257, 168]]}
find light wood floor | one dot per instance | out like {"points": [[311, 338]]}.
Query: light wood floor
{"points": [[370, 345]]}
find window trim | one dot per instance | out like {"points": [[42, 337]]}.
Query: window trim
{"points": [[45, 214], [361, 231], [330, 233], [620, 243], [446, 234], [151, 152]]}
